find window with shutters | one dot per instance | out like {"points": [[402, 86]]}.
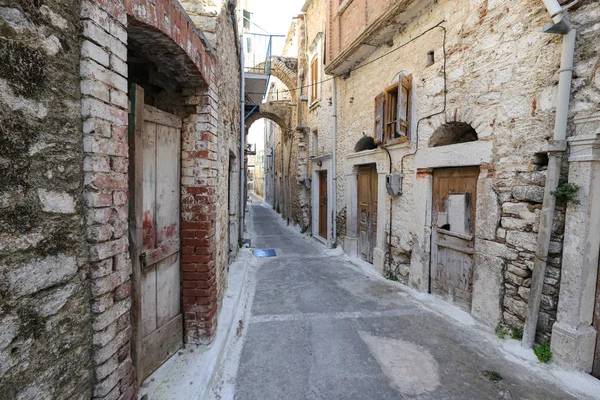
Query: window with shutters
{"points": [[314, 79], [392, 112]]}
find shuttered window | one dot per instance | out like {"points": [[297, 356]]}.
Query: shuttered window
{"points": [[314, 79], [392, 112]]}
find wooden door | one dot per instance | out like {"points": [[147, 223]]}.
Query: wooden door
{"points": [[454, 199], [367, 211], [596, 368], [323, 204], [154, 221]]}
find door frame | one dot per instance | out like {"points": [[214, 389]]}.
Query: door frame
{"points": [[326, 166], [135, 223], [323, 191], [434, 229], [380, 158]]}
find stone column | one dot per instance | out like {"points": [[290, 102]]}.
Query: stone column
{"points": [[573, 337], [383, 217], [351, 239]]}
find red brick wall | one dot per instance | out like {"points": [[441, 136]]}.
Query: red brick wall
{"points": [[104, 104], [199, 215], [345, 27]]}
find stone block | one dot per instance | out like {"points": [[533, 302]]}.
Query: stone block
{"points": [[41, 274], [517, 306], [54, 301], [56, 202], [10, 328], [522, 240], [487, 289], [514, 279], [534, 194], [518, 270], [495, 249], [513, 223]]}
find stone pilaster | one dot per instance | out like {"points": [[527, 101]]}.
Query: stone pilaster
{"points": [[573, 337]]}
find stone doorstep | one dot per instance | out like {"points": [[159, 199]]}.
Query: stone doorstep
{"points": [[191, 370], [577, 383]]}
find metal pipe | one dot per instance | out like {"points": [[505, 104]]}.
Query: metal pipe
{"points": [[334, 164], [554, 9], [242, 140], [555, 150]]}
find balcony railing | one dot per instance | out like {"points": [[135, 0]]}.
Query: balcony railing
{"points": [[258, 49]]}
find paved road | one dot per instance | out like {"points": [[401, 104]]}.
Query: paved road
{"points": [[319, 328]]}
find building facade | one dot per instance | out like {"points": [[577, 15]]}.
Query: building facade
{"points": [[434, 155], [120, 135]]}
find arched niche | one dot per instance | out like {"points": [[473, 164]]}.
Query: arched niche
{"points": [[453, 133]]}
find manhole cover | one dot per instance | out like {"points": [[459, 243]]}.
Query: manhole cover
{"points": [[264, 253]]}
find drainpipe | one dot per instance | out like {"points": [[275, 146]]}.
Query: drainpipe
{"points": [[334, 164], [556, 149], [242, 140]]}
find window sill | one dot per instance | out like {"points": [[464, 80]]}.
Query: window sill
{"points": [[397, 143]]}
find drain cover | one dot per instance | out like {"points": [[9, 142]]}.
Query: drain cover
{"points": [[264, 253]]}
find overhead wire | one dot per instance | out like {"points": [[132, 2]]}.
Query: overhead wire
{"points": [[332, 77]]}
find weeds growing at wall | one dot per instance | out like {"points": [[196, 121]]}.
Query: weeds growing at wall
{"points": [[501, 332], [516, 332], [566, 193], [543, 353]]}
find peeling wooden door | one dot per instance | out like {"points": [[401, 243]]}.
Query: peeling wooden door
{"points": [[367, 211], [596, 368], [323, 204], [454, 199], [154, 221]]}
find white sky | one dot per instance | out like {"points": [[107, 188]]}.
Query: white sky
{"points": [[275, 17]]}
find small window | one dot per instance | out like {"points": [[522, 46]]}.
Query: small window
{"points": [[392, 112], [315, 143], [314, 79]]}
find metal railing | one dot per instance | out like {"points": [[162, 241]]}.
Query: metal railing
{"points": [[258, 50]]}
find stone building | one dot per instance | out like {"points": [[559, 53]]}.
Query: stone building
{"points": [[430, 130], [120, 136]]}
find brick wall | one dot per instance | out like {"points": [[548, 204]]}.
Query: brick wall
{"points": [[104, 104], [348, 19], [44, 293]]}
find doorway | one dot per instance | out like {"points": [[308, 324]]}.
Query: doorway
{"points": [[155, 142], [323, 204], [453, 227], [367, 211]]}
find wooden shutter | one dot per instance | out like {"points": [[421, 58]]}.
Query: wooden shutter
{"points": [[403, 117], [378, 135], [314, 79]]}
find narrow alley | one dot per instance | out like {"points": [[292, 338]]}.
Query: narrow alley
{"points": [[319, 327]]}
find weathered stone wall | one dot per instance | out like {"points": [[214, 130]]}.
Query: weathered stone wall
{"points": [[228, 72], [45, 315], [501, 79]]}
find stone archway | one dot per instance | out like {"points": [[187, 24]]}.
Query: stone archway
{"points": [[285, 69]]}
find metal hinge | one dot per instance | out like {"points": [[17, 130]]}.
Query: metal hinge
{"points": [[143, 260]]}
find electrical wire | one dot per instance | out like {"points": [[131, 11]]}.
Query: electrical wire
{"points": [[443, 111], [332, 77]]}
